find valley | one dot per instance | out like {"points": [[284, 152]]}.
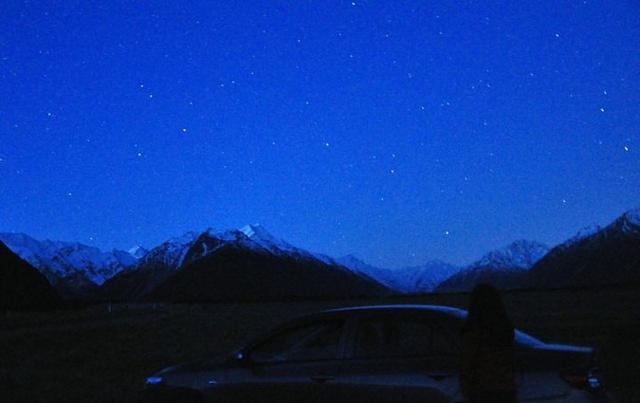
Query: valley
{"points": [[100, 354]]}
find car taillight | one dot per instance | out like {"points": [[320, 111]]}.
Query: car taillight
{"points": [[589, 381]]}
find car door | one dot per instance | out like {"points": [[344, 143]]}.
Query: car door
{"points": [[297, 363], [406, 351]]}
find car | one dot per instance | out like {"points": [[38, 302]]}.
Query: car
{"points": [[379, 353]]}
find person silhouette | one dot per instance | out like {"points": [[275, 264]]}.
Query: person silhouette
{"points": [[487, 373]]}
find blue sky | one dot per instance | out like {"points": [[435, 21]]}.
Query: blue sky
{"points": [[398, 131]]}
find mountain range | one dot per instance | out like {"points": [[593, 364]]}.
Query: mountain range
{"points": [[74, 269], [609, 255], [505, 268], [251, 263], [247, 264], [406, 280]]}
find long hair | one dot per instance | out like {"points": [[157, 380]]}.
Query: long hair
{"points": [[488, 314]]}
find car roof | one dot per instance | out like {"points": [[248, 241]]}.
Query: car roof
{"points": [[522, 338], [457, 312]]}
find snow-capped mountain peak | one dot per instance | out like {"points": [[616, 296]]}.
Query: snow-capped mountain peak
{"points": [[520, 254], [631, 221], [258, 234], [59, 261], [138, 251], [582, 234], [416, 279], [173, 251]]}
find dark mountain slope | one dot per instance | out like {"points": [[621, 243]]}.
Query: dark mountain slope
{"points": [[505, 268], [235, 273], [609, 256], [22, 286]]}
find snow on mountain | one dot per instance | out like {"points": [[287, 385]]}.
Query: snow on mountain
{"points": [[518, 255], [610, 255], [60, 260], [505, 267], [582, 234], [408, 280], [202, 262], [192, 246], [382, 275], [427, 277], [170, 253], [262, 237], [354, 263], [631, 221], [138, 251], [633, 216], [258, 234], [210, 241]]}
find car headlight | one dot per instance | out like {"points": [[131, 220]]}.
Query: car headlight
{"points": [[154, 380]]}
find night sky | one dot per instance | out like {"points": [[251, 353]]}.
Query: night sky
{"points": [[400, 132]]}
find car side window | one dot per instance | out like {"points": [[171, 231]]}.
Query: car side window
{"points": [[402, 337], [314, 342]]}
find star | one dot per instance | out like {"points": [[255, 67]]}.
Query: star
{"points": [[184, 130]]}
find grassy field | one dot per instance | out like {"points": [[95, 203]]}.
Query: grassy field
{"points": [[91, 354]]}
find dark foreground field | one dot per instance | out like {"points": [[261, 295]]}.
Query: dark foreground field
{"points": [[92, 354]]}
